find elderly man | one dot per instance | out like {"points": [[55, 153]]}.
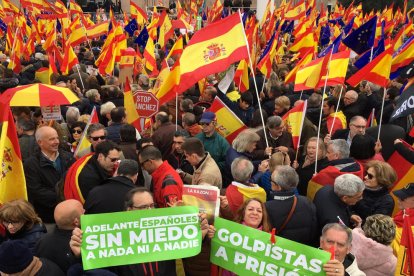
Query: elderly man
{"points": [[405, 198], [206, 170], [357, 125], [43, 170], [240, 189], [213, 142], [333, 203], [294, 217], [55, 245], [339, 163], [351, 107], [167, 184], [339, 237], [278, 138]]}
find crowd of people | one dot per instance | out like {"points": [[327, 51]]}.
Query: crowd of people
{"points": [[333, 192]]}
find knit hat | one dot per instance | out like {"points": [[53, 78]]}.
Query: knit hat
{"points": [[15, 256]]}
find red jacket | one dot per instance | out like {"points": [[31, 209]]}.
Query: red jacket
{"points": [[167, 185]]}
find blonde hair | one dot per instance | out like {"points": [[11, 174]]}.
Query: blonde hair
{"points": [[19, 210], [380, 228], [283, 102], [244, 139], [321, 147], [278, 159]]}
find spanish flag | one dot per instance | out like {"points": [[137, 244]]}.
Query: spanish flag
{"points": [[71, 188], [12, 180], [177, 48], [212, 49], [228, 124], [309, 76], [297, 12], [402, 58], [149, 55], [377, 71], [295, 118], [69, 59], [83, 141], [129, 104], [337, 69], [97, 30], [237, 193], [241, 77], [78, 36], [138, 13], [290, 77], [43, 75], [166, 29]]}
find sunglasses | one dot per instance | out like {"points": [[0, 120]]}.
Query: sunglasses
{"points": [[370, 176], [98, 137], [77, 131]]}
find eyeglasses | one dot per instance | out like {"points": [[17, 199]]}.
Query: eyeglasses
{"points": [[144, 207], [370, 176], [98, 138], [113, 159], [14, 223], [77, 131], [143, 162]]}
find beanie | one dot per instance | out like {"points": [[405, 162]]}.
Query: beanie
{"points": [[15, 256]]}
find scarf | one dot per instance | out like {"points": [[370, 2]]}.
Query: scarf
{"points": [[30, 270]]}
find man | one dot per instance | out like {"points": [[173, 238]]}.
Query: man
{"points": [[110, 195], [405, 197], [177, 158], [278, 140], [206, 170], [240, 189], [27, 142], [339, 237], [189, 123], [339, 163], [352, 106], [213, 142], [95, 134], [334, 120], [43, 170], [357, 125], [91, 171], [333, 203], [118, 119], [167, 184], [163, 136], [294, 217], [55, 245]]}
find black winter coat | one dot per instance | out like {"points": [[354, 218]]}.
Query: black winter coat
{"points": [[374, 202]]}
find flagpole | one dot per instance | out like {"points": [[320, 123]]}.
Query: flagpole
{"points": [[336, 110], [255, 84], [80, 77], [382, 111], [13, 50], [320, 113]]}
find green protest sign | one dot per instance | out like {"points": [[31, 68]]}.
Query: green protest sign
{"points": [[140, 236], [248, 251]]}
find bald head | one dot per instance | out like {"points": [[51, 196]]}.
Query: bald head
{"points": [[351, 96], [48, 140], [67, 214]]}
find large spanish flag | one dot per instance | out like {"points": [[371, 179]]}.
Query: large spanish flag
{"points": [[228, 124], [97, 30], [377, 71], [337, 69], [71, 188], [294, 118], [404, 169], [309, 76], [211, 50], [12, 180]]}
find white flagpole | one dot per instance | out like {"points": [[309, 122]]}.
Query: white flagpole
{"points": [[336, 110]]}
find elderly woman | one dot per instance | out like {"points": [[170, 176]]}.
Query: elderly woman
{"points": [[305, 166], [243, 146], [371, 246], [21, 222], [376, 198]]}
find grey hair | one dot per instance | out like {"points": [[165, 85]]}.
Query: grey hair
{"points": [[241, 169], [91, 94], [286, 177], [273, 122], [338, 227], [244, 139], [348, 185], [128, 167], [94, 127], [72, 115], [355, 118], [107, 107], [341, 147]]}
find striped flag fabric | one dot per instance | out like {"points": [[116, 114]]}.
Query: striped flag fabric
{"points": [[241, 76], [83, 141], [295, 118], [132, 116]]}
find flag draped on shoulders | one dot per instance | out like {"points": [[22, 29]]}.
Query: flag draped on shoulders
{"points": [[71, 189], [12, 179]]}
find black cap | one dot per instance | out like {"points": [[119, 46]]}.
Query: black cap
{"points": [[406, 192]]}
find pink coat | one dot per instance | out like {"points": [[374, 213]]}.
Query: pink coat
{"points": [[373, 258]]}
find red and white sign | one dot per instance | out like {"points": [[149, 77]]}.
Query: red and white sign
{"points": [[146, 104]]}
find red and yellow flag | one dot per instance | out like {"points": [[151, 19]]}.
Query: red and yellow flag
{"points": [[241, 76], [83, 141], [138, 13], [337, 69], [69, 59], [71, 188], [129, 104], [297, 12], [295, 118], [12, 180], [177, 48], [97, 30]]}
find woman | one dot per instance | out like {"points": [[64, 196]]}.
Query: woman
{"points": [[243, 146], [371, 246], [128, 142], [376, 197], [305, 167], [277, 159], [76, 131], [253, 214], [282, 106], [21, 222]]}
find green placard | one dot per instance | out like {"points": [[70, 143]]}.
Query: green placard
{"points": [[140, 236], [248, 251]]}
